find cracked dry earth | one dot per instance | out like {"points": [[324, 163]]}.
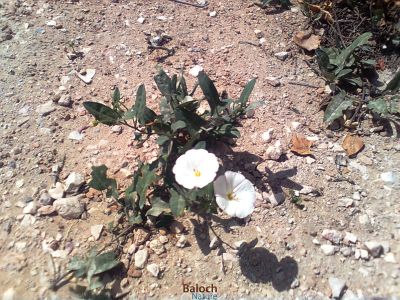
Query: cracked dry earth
{"points": [[341, 242]]}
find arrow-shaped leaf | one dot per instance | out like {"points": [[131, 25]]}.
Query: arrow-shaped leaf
{"points": [[335, 108]]}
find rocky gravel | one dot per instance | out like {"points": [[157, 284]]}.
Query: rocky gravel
{"points": [[325, 226]]}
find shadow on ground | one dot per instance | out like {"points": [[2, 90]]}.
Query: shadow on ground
{"points": [[262, 266]]}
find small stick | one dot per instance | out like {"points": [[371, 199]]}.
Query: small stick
{"points": [[191, 4], [304, 84], [249, 43]]}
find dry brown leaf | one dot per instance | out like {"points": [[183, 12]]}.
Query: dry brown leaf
{"points": [[306, 40], [352, 144], [301, 145], [326, 15]]}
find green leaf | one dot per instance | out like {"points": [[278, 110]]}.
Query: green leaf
{"points": [[335, 108], [244, 96], [116, 98], [164, 84], [104, 262], [101, 182], [371, 62], [344, 54], [95, 283], [177, 203], [394, 84], [192, 120], [78, 265], [209, 91], [200, 145], [137, 219], [357, 81], [378, 106], [343, 73], [182, 87], [158, 206], [140, 111], [254, 105], [178, 125], [102, 113], [146, 177], [162, 139]]}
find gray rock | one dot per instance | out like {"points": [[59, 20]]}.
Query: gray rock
{"points": [[28, 221], [116, 129], [329, 249], [69, 208], [141, 258], [96, 231], [332, 235], [65, 101], [181, 243], [46, 108], [374, 248], [276, 198], [45, 199], [31, 208], [364, 220], [57, 192], [157, 247], [274, 152], [346, 251], [74, 182], [345, 202], [273, 81], [153, 269], [337, 286], [282, 55], [357, 196]]}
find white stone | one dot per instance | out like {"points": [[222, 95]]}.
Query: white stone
{"points": [[69, 208], [266, 136], [96, 231], [282, 55], [46, 108], [75, 136], [328, 249], [374, 248], [364, 220], [31, 208], [9, 294], [141, 20], [350, 238], [57, 192], [337, 286], [390, 258], [213, 14], [333, 236], [181, 243], [195, 70], [141, 258], [65, 100], [20, 183], [153, 269], [88, 77], [51, 23], [345, 202], [73, 182], [274, 152]]}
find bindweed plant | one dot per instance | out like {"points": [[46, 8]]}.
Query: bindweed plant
{"points": [[182, 175]]}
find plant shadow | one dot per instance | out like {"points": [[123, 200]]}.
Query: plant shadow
{"points": [[262, 266]]}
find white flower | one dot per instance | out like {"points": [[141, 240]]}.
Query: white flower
{"points": [[195, 168], [235, 194]]}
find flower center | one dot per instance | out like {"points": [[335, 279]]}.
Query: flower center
{"points": [[231, 196], [197, 173]]}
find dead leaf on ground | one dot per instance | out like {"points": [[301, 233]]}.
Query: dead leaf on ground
{"points": [[307, 40], [352, 144], [326, 15], [301, 145]]}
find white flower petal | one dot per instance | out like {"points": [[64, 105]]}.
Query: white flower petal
{"points": [[236, 185], [195, 168]]}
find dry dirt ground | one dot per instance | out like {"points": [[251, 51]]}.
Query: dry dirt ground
{"points": [[293, 258]]}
